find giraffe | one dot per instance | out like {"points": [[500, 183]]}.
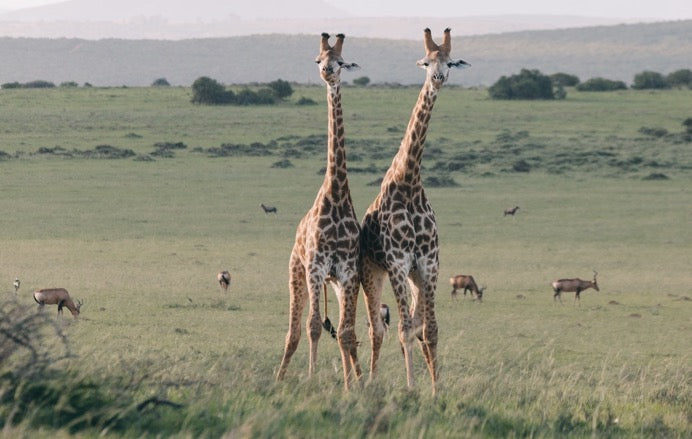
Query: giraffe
{"points": [[398, 233], [327, 238]]}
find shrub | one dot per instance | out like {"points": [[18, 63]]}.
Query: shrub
{"points": [[654, 132], [528, 84], [160, 82], [564, 79], [362, 81], [285, 163], [649, 80], [521, 166], [305, 101], [38, 84], [656, 176], [281, 89], [441, 181], [69, 84], [246, 96], [12, 85], [208, 91], [601, 84], [680, 78]]}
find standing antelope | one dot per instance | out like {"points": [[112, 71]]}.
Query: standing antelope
{"points": [[57, 296], [574, 285], [511, 211], [268, 209], [468, 284], [224, 278]]}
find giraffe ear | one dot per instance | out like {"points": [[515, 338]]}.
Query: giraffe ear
{"points": [[350, 66], [458, 63]]}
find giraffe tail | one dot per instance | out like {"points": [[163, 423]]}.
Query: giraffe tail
{"points": [[329, 327]]}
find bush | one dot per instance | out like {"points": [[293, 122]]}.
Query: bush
{"points": [[69, 84], [246, 96], [11, 85], [601, 84], [528, 84], [281, 89], [208, 91], [362, 81], [161, 82], [649, 80], [38, 84], [564, 79], [305, 101], [680, 78]]}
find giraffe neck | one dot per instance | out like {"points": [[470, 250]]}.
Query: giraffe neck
{"points": [[336, 174], [408, 159]]}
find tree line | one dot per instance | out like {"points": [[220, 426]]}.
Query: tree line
{"points": [[532, 84]]}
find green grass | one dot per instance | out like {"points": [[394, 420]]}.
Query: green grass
{"points": [[142, 242]]}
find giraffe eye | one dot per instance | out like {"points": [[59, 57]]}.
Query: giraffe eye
{"points": [[426, 64]]}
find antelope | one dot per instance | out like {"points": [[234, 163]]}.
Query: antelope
{"points": [[268, 209], [57, 296], [16, 284], [467, 283], [574, 285], [511, 211], [384, 313], [224, 278]]}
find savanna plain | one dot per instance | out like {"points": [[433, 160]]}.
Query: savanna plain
{"points": [[134, 198]]}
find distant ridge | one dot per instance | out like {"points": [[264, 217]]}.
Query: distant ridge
{"points": [[615, 52]]}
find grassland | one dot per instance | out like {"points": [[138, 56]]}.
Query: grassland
{"points": [[141, 242]]}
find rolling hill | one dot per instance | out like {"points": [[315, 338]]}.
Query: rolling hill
{"points": [[615, 52]]}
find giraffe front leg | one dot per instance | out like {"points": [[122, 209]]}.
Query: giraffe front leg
{"points": [[423, 287], [372, 279], [347, 331], [298, 297]]}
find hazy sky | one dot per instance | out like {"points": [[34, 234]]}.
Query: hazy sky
{"points": [[659, 9]]}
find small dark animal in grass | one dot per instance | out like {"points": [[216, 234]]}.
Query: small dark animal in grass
{"points": [[57, 296], [511, 211], [224, 278], [268, 209], [574, 286], [467, 283], [384, 313]]}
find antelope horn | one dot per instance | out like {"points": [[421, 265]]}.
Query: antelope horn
{"points": [[430, 45], [339, 43], [324, 45], [447, 41]]}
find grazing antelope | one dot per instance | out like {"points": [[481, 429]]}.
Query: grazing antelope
{"points": [[574, 285], [268, 209], [16, 284], [467, 283], [224, 278], [57, 296], [511, 211]]}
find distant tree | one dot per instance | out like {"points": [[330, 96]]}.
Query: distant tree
{"points": [[208, 91], [160, 82], [69, 84], [688, 125], [38, 84], [528, 84], [649, 80], [87, 84], [12, 85], [282, 89], [564, 79], [601, 84], [362, 81], [680, 78]]}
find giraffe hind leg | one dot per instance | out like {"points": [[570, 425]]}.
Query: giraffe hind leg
{"points": [[372, 279], [347, 334]]}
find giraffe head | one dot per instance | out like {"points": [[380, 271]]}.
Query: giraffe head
{"points": [[437, 62], [330, 61]]}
